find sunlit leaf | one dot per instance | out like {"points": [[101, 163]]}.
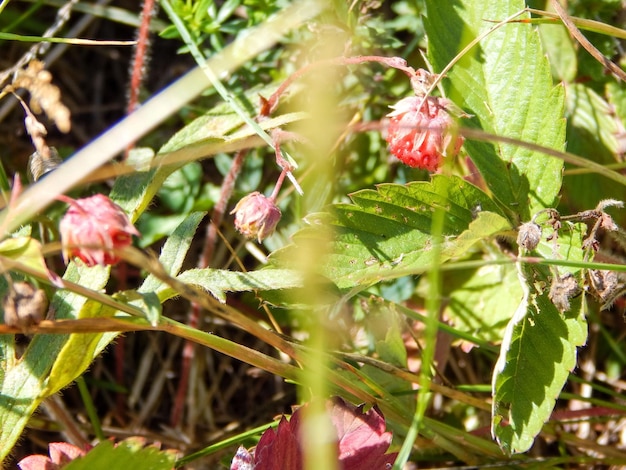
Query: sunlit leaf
{"points": [[28, 252], [218, 281], [174, 250], [386, 233], [482, 302], [538, 352], [77, 353], [592, 132], [130, 453], [506, 84]]}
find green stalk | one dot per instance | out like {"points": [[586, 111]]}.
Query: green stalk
{"points": [[92, 413], [224, 346], [431, 323]]}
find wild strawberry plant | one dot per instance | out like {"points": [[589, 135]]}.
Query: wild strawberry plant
{"points": [[381, 266]]}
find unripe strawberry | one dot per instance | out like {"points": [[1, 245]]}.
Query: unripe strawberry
{"points": [[420, 138], [256, 216], [92, 227]]}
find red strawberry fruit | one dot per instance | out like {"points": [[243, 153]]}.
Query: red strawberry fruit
{"points": [[421, 132]]}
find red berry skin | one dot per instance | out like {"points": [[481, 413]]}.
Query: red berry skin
{"points": [[92, 227], [420, 138]]}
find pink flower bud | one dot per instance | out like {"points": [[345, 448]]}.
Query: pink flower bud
{"points": [[256, 216], [92, 227], [422, 137]]}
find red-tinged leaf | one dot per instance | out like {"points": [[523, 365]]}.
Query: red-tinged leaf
{"points": [[280, 449], [37, 462], [361, 436], [243, 460], [63, 453]]}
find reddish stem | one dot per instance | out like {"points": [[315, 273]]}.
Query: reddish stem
{"points": [[270, 104], [136, 79], [139, 60], [217, 216], [189, 349]]}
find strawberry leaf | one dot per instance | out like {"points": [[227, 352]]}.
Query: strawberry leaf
{"points": [[385, 233], [361, 436], [280, 448], [361, 439], [538, 352], [506, 84], [130, 453]]}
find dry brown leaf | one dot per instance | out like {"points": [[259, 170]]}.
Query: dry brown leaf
{"points": [[44, 95]]}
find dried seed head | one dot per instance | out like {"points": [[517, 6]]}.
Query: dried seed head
{"points": [[92, 227], [607, 223], [529, 236], [256, 216], [44, 96], [420, 138], [24, 305], [605, 286], [562, 290]]}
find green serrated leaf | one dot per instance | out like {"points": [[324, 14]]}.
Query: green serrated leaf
{"points": [[148, 302], [78, 352], [481, 303], [218, 281], [174, 250], [537, 354], [505, 83], [27, 251], [560, 48], [130, 453], [385, 234]]}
